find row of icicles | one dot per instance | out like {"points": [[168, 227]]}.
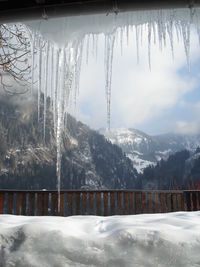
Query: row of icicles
{"points": [[56, 71]]}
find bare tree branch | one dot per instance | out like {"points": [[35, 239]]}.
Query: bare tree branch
{"points": [[15, 54]]}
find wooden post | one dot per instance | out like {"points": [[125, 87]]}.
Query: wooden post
{"points": [[194, 201], [169, 202], [157, 202], [119, 203], [105, 198], [2, 197], [62, 204], [162, 202], [10, 202], [39, 204], [112, 203], [150, 210], [144, 202], [180, 202], [126, 211], [131, 204], [98, 203], [138, 202], [188, 201], [70, 203], [18, 204], [32, 204], [174, 202], [91, 201], [78, 200]]}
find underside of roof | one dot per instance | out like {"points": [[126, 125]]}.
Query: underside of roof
{"points": [[12, 11]]}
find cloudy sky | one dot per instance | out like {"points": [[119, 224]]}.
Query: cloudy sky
{"points": [[165, 99]]}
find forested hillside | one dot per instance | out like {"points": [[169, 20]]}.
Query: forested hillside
{"points": [[28, 161]]}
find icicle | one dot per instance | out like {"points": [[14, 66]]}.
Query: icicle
{"points": [[186, 41], [52, 74], [160, 28], [93, 45], [55, 91], [177, 30], [60, 99], [96, 47], [149, 44], [170, 33], [127, 34], [137, 41], [46, 87], [154, 33], [77, 72], [121, 40], [141, 33], [87, 48], [33, 61], [198, 33], [39, 76], [109, 46]]}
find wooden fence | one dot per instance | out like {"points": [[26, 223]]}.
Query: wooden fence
{"points": [[99, 202]]}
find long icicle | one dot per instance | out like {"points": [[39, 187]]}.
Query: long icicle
{"points": [[45, 88], [109, 46]]}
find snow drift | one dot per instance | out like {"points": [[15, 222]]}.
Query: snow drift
{"points": [[171, 239]]}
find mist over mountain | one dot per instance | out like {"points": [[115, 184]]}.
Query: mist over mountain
{"points": [[27, 161], [145, 150]]}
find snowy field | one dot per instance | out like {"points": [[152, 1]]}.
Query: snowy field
{"points": [[171, 239]]}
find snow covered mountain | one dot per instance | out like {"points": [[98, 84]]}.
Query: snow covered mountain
{"points": [[144, 149]]}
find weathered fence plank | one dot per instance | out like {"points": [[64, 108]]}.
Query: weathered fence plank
{"points": [[188, 201], [198, 193], [98, 203], [2, 197], [119, 203], [180, 202], [10, 202], [112, 203], [78, 202], [39, 205], [18, 204], [45, 203], [144, 210], [138, 202], [31, 204], [105, 198], [70, 203], [91, 200], [169, 202], [126, 210], [174, 202], [131, 203], [162, 203], [62, 204], [194, 201], [150, 208], [157, 202]]}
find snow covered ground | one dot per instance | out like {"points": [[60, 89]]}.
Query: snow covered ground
{"points": [[171, 239]]}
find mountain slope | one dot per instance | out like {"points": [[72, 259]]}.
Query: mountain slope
{"points": [[145, 150], [180, 170], [29, 162]]}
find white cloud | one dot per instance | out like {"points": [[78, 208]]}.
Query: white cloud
{"points": [[138, 94], [191, 126]]}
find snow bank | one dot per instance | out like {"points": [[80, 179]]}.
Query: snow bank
{"points": [[171, 239]]}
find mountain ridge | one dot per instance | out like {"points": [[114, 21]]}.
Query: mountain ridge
{"points": [[145, 150]]}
